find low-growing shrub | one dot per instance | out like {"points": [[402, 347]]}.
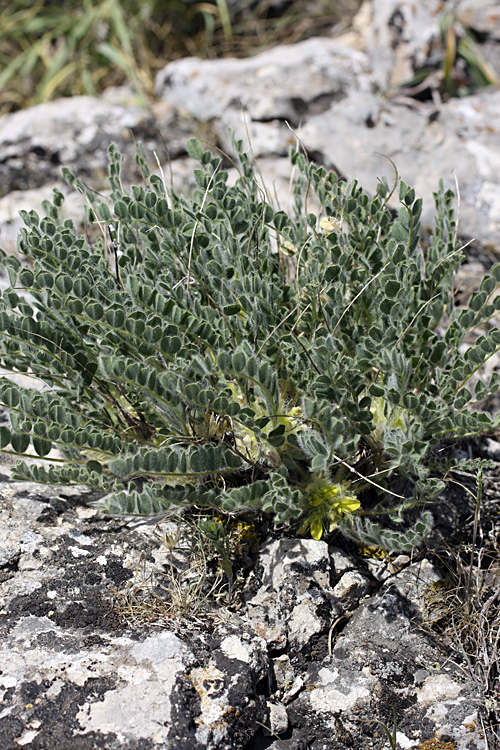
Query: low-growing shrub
{"points": [[222, 354]]}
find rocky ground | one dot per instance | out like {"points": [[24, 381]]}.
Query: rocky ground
{"points": [[315, 644], [110, 637]]}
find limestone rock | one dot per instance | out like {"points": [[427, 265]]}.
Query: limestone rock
{"points": [[76, 133], [352, 587], [32, 200], [293, 599], [278, 718], [284, 83], [401, 39], [380, 654], [482, 16], [302, 657], [73, 673], [456, 145]]}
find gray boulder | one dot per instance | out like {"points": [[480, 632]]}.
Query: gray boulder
{"points": [[73, 673], [76, 133], [284, 83], [362, 135]]}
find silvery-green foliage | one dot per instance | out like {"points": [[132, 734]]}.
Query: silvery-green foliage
{"points": [[222, 353]]}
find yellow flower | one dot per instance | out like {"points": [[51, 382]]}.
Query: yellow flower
{"points": [[325, 493], [326, 504], [288, 249], [316, 529], [330, 224], [387, 417]]}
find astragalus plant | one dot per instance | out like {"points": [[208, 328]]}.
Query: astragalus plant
{"points": [[225, 355]]}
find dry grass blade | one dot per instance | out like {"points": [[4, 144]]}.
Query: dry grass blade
{"points": [[191, 588], [464, 607], [59, 49]]}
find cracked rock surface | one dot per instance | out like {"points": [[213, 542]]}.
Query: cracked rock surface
{"points": [[316, 647]]}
